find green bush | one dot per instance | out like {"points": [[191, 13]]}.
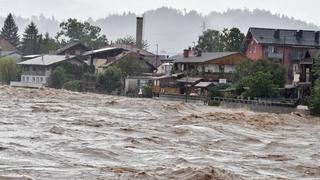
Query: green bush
{"points": [[216, 91], [72, 86], [260, 78], [110, 79], [57, 77], [9, 70], [147, 92], [314, 101]]}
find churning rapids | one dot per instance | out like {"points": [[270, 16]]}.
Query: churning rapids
{"points": [[56, 134]]}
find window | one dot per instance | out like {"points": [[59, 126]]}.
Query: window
{"points": [[33, 79], [221, 68], [23, 79], [41, 79], [273, 49]]}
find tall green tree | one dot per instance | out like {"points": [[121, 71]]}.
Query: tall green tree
{"points": [[210, 41], [48, 44], [10, 31], [72, 29], [9, 70], [31, 40], [232, 39]]}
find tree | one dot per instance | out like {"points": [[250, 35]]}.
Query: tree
{"points": [[261, 78], [232, 39], [47, 44], [131, 41], [9, 70], [57, 77], [314, 104], [85, 32], [10, 31], [210, 41], [261, 85], [131, 66], [110, 79], [30, 40]]}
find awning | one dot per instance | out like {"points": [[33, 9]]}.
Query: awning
{"points": [[203, 84]]}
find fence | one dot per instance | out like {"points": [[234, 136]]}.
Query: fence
{"points": [[206, 100]]}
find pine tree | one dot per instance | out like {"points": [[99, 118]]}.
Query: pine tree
{"points": [[10, 31], [30, 40]]}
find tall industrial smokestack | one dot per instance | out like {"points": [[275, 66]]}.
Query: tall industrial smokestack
{"points": [[139, 32]]}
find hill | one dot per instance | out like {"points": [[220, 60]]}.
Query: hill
{"points": [[173, 29]]}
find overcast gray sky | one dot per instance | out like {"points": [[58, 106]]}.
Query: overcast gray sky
{"points": [[306, 10]]}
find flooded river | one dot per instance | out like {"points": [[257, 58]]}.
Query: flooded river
{"points": [[53, 134]]}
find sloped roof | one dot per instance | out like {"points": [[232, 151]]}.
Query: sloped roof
{"points": [[106, 49], [6, 45], [46, 60], [205, 57], [71, 45], [286, 36]]}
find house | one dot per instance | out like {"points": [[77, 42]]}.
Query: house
{"points": [[36, 71], [8, 50], [166, 84], [305, 79], [131, 55], [73, 48], [155, 60], [284, 45], [100, 57], [134, 85], [210, 66]]}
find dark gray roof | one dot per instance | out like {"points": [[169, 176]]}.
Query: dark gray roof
{"points": [[203, 58], [46, 60], [286, 36]]}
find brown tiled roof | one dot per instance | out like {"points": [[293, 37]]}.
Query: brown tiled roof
{"points": [[6, 45]]}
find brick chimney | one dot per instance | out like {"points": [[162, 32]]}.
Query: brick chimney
{"points": [[139, 32], [186, 53]]}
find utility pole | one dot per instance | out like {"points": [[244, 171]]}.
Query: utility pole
{"points": [[186, 86], [157, 56], [204, 26]]}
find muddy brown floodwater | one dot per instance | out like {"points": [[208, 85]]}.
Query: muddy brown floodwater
{"points": [[55, 134]]}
